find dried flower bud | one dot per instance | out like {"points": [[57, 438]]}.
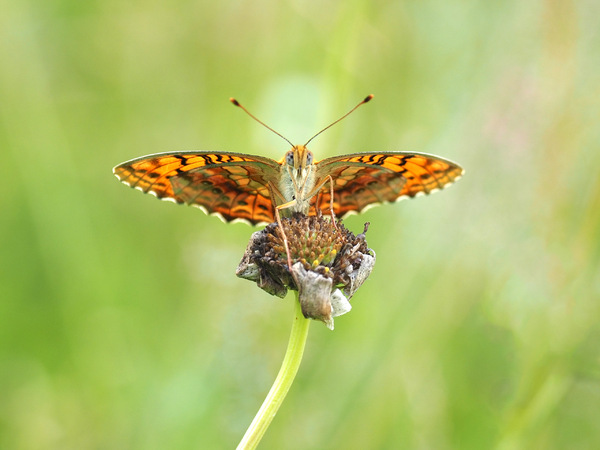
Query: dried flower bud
{"points": [[329, 263]]}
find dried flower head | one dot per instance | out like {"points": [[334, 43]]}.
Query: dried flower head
{"points": [[329, 263]]}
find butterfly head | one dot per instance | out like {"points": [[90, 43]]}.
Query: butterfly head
{"points": [[298, 159]]}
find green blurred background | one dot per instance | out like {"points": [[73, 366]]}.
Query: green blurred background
{"points": [[122, 324]]}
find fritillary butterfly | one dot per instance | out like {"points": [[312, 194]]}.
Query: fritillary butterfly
{"points": [[240, 187]]}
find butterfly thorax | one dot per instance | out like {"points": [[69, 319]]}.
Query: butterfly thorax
{"points": [[297, 178]]}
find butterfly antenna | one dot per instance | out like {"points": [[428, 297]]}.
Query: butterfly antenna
{"points": [[366, 100], [236, 103]]}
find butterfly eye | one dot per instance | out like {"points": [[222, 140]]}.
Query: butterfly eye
{"points": [[309, 158], [289, 158]]}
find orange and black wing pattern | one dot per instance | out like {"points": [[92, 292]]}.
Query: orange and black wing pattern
{"points": [[233, 186], [361, 180]]}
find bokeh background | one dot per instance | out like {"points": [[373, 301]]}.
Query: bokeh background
{"points": [[122, 324]]}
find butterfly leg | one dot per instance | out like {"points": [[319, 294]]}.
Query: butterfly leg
{"points": [[316, 190], [278, 218], [285, 242], [331, 202]]}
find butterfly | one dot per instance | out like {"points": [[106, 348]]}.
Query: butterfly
{"points": [[248, 188]]}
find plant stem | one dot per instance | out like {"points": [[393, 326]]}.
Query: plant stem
{"points": [[282, 383]]}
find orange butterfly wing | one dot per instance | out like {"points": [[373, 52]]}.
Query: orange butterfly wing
{"points": [[232, 186], [361, 180]]}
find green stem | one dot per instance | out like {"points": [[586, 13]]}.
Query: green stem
{"points": [[282, 383]]}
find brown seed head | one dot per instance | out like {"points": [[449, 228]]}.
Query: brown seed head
{"points": [[325, 261]]}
